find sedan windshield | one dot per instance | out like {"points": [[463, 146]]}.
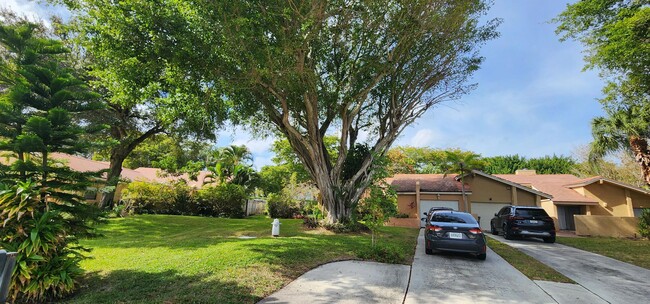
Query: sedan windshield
{"points": [[450, 217]]}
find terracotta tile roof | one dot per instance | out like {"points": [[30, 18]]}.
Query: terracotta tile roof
{"points": [[81, 164], [428, 183], [593, 179], [553, 184]]}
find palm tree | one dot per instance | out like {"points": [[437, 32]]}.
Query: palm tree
{"points": [[626, 127], [462, 163], [236, 155]]}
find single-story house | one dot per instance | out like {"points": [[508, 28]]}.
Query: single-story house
{"points": [[152, 175], [561, 195]]}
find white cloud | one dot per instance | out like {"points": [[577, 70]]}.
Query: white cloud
{"points": [[424, 138]]}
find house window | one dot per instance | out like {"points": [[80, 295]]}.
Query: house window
{"points": [[637, 212]]}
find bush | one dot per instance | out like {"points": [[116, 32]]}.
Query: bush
{"points": [[158, 198], [310, 222], [281, 206], [47, 263], [644, 223], [223, 200]]}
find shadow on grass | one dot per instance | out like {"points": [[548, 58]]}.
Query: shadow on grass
{"points": [[183, 231], [127, 286]]}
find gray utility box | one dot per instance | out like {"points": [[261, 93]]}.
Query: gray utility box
{"points": [[7, 262]]}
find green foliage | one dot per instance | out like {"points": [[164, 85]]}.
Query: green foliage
{"points": [[280, 205], [47, 265], [225, 200], [620, 166], [644, 223], [354, 162], [615, 34], [543, 165], [158, 198], [43, 102], [286, 158], [427, 160], [274, 178]]}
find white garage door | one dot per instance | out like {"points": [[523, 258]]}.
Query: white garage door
{"points": [[486, 211], [426, 205]]}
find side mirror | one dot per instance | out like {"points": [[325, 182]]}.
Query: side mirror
{"points": [[426, 213], [496, 214]]}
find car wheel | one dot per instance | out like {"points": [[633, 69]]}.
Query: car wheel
{"points": [[428, 251], [506, 233], [549, 240], [493, 230], [481, 256]]}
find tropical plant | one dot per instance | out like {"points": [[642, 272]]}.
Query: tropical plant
{"points": [[41, 211], [615, 33], [463, 165], [644, 223]]}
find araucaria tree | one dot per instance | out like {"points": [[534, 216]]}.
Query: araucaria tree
{"points": [[616, 35], [41, 213], [363, 70]]}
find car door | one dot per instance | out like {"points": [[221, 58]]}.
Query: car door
{"points": [[501, 216]]}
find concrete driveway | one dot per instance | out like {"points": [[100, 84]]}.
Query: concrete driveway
{"points": [[442, 278], [611, 280]]}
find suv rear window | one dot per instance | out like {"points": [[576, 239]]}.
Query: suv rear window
{"points": [[530, 212], [450, 217]]}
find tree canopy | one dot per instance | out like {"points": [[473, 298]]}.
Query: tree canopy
{"points": [[615, 34]]}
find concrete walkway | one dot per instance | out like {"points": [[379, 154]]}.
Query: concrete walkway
{"points": [[608, 279], [347, 282]]}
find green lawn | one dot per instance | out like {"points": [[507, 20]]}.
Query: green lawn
{"points": [[635, 252], [182, 259], [530, 267]]}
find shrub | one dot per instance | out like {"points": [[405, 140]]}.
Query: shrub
{"points": [[644, 223], [310, 222], [223, 200], [47, 263], [281, 206], [158, 198]]}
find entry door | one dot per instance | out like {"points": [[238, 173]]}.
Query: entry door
{"points": [[566, 213], [426, 205]]}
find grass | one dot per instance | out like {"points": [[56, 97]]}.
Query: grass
{"points": [[636, 252], [530, 267], [182, 259]]}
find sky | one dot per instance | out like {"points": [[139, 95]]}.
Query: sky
{"points": [[533, 97]]}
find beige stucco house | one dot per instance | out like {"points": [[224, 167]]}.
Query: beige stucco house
{"points": [[587, 206]]}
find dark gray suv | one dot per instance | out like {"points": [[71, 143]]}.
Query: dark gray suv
{"points": [[523, 221]]}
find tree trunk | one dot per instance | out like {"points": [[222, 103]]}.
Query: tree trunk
{"points": [[118, 155], [44, 181], [641, 155]]}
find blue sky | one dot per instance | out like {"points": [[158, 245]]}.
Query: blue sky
{"points": [[533, 99]]}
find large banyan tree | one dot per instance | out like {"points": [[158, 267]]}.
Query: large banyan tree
{"points": [[350, 68], [360, 70]]}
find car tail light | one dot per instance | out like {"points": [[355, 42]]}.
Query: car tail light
{"points": [[435, 228], [514, 218], [475, 231]]}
